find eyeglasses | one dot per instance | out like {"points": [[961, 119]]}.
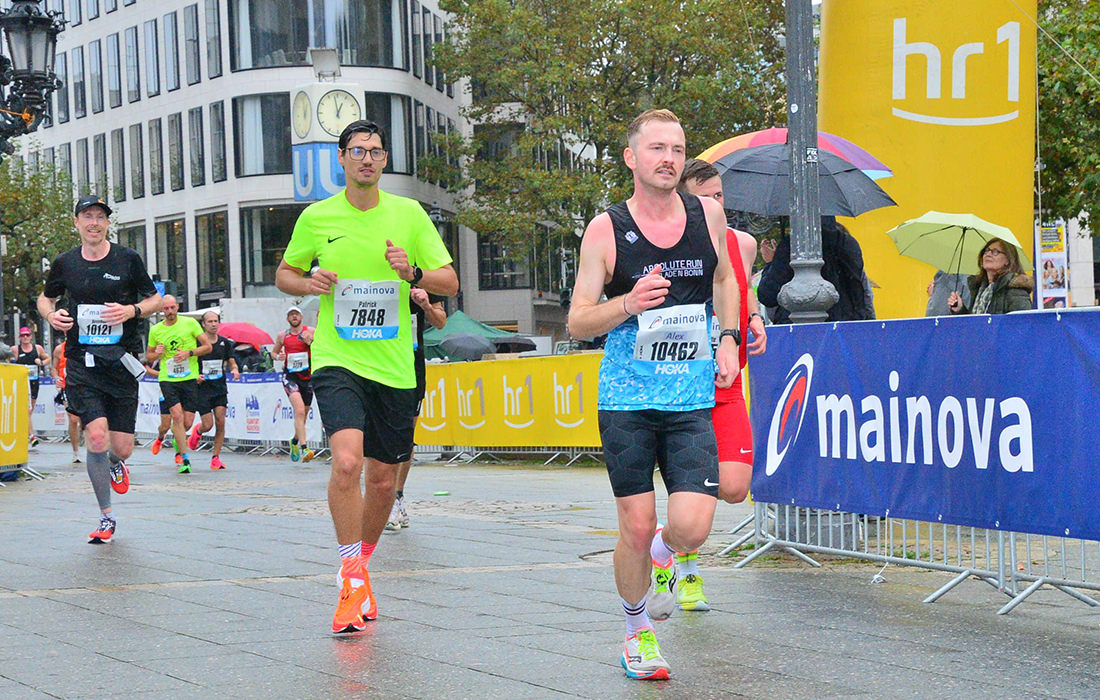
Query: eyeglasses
{"points": [[995, 251], [24, 335], [359, 153]]}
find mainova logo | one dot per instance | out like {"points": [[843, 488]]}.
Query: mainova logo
{"points": [[933, 431], [990, 73], [789, 412]]}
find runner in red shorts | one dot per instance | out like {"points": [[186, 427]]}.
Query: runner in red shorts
{"points": [[729, 415]]}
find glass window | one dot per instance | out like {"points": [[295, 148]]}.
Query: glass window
{"points": [[95, 76], [114, 76], [128, 2], [497, 269], [65, 159], [392, 112], [82, 166], [152, 59], [191, 41], [61, 67], [175, 151], [265, 232], [417, 41], [47, 156], [118, 166], [261, 127], [420, 130], [213, 39], [364, 32], [99, 164], [80, 107], [198, 153], [437, 23], [137, 162], [133, 67], [171, 52], [212, 241], [217, 141], [450, 85], [172, 257], [426, 20], [110, 5], [75, 10], [93, 9], [133, 237], [156, 157]]}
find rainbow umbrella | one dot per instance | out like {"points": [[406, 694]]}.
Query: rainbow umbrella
{"points": [[871, 166]]}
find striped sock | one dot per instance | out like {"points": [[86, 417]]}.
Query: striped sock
{"points": [[347, 551], [688, 563], [636, 616]]}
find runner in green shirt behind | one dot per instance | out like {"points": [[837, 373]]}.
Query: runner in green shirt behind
{"points": [[370, 247], [180, 341]]}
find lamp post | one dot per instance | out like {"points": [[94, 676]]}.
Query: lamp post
{"points": [[27, 73], [440, 219], [808, 296]]}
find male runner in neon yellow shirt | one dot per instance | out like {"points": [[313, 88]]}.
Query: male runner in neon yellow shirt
{"points": [[370, 246], [180, 341]]}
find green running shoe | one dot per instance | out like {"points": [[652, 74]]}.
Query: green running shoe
{"points": [[295, 452], [662, 600], [689, 594]]}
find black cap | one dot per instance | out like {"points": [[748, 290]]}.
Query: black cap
{"points": [[91, 200]]}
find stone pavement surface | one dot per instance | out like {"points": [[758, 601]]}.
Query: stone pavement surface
{"points": [[222, 585]]}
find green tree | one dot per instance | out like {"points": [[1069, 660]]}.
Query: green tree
{"points": [[1069, 108], [556, 83], [36, 221]]}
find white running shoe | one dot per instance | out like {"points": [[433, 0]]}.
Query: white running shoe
{"points": [[661, 601], [393, 524], [404, 514], [642, 658]]}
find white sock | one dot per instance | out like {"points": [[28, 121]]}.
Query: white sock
{"points": [[636, 616], [660, 552]]}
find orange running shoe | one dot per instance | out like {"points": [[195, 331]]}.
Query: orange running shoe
{"points": [[104, 532], [216, 463], [155, 449], [350, 615], [179, 458], [193, 440], [120, 477]]}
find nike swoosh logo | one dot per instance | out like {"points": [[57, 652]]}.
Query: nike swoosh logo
{"points": [[330, 240], [708, 483], [745, 452]]}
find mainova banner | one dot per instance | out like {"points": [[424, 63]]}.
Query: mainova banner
{"points": [[955, 420], [943, 92]]}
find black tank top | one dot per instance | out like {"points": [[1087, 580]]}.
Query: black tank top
{"points": [[27, 358], [689, 265]]}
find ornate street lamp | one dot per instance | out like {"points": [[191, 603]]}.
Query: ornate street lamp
{"points": [[27, 73]]}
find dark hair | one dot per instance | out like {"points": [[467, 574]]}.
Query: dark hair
{"points": [[698, 170], [1013, 257], [362, 126]]}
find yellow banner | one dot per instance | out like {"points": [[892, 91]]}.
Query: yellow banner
{"points": [[944, 94], [15, 396], [522, 402]]}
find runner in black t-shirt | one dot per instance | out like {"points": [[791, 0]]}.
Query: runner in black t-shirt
{"points": [[106, 289], [213, 391], [424, 308]]}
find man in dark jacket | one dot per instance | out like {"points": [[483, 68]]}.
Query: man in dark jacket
{"points": [[843, 267]]}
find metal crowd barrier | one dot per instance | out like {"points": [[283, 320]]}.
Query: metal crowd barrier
{"points": [[1016, 564]]}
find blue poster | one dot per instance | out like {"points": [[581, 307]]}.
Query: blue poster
{"points": [[317, 172], [988, 421]]}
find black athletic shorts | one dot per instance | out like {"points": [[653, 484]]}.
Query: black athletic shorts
{"points": [[681, 443], [185, 393], [387, 416], [34, 391], [107, 390], [164, 411], [212, 393], [293, 383]]}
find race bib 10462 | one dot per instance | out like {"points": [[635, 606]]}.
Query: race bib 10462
{"points": [[673, 340], [92, 329], [366, 310]]}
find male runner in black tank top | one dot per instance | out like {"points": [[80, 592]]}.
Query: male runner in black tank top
{"points": [[652, 347]]}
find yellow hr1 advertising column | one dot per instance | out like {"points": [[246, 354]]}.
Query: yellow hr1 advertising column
{"points": [[15, 396], [944, 94], [524, 402]]}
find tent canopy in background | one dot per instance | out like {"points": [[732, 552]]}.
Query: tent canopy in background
{"points": [[458, 322]]}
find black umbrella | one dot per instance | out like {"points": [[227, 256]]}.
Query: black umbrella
{"points": [[757, 180], [466, 346], [514, 344]]}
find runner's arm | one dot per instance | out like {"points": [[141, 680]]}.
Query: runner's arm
{"points": [[43, 358], [747, 244], [233, 369], [435, 314], [278, 349], [727, 301], [59, 319], [294, 281], [55, 368], [205, 346], [589, 318]]}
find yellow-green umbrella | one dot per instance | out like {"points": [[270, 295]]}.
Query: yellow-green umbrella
{"points": [[951, 242]]}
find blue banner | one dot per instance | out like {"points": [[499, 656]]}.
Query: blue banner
{"points": [[989, 421], [317, 172]]}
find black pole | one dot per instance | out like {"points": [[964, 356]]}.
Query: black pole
{"points": [[807, 296]]}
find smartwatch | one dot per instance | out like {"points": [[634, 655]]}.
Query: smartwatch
{"points": [[731, 332], [418, 275]]}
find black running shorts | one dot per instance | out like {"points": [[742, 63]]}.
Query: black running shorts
{"points": [[185, 393], [107, 390], [681, 443], [212, 395], [387, 416], [34, 391], [292, 383]]}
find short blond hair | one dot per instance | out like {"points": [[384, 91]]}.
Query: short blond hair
{"points": [[650, 115]]}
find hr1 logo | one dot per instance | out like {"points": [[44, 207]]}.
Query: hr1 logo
{"points": [[516, 397], [1008, 33], [566, 401], [433, 411], [466, 403]]}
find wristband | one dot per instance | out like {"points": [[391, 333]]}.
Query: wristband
{"points": [[137, 311], [624, 307]]}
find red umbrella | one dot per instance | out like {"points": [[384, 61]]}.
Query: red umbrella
{"points": [[246, 333], [871, 166]]}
